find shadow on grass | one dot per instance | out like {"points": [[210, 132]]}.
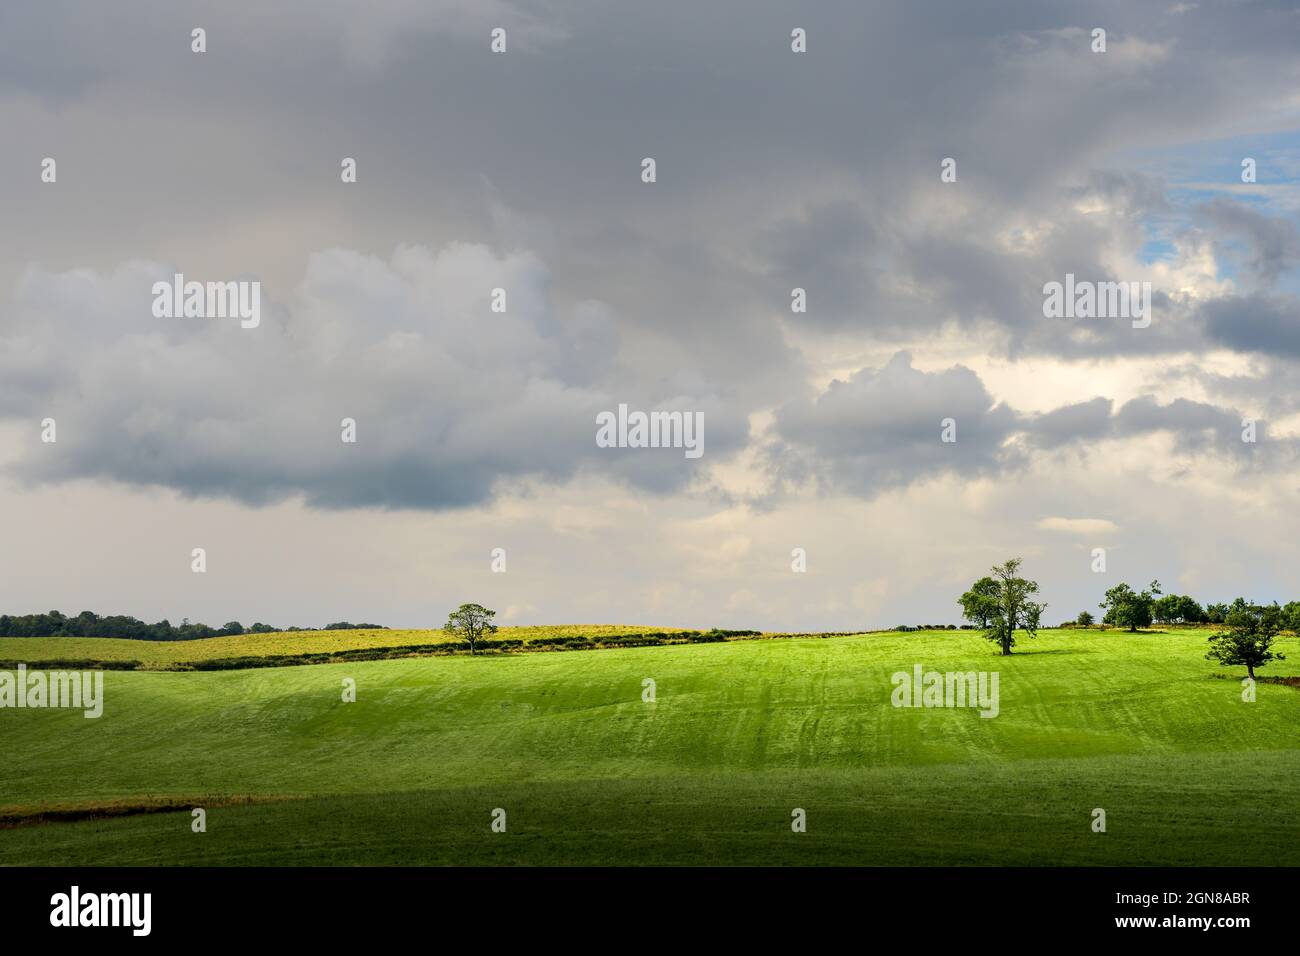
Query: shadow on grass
{"points": [[35, 815]]}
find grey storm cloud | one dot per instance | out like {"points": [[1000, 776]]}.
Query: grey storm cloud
{"points": [[1197, 426], [829, 250], [774, 171], [448, 397], [1267, 324], [881, 429], [1274, 241], [1081, 421], [817, 171]]}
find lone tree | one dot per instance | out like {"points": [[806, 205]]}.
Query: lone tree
{"points": [[1084, 619], [1248, 639], [1001, 605], [1125, 607], [470, 622]]}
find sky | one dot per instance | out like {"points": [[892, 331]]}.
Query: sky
{"points": [[523, 170]]}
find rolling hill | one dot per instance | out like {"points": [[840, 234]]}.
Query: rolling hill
{"points": [[739, 735]]}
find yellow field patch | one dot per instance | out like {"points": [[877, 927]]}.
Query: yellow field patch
{"points": [[280, 643]]}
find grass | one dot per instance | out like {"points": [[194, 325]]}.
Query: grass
{"points": [[741, 732]]}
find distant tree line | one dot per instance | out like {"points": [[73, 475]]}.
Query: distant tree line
{"points": [[89, 624], [1132, 609], [1002, 604]]}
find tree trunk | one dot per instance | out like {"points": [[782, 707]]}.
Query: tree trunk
{"points": [[1250, 669]]}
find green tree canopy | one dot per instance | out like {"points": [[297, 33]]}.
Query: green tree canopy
{"points": [[1128, 608], [1001, 604], [1249, 638], [470, 622]]}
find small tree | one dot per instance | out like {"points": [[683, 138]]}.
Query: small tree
{"points": [[1001, 605], [1128, 608], [470, 622], [1084, 619], [1249, 638]]}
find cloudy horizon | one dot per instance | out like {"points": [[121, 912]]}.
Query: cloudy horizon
{"points": [[775, 171]]}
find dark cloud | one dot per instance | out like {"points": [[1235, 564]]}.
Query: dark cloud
{"points": [[827, 251], [1082, 421], [1197, 426], [449, 398], [1268, 324], [1274, 241], [881, 429], [818, 170], [826, 163], [884, 428]]}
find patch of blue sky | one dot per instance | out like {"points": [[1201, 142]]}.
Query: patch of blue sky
{"points": [[1198, 171], [1156, 249]]}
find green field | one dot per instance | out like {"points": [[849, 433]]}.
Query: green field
{"points": [[741, 732], [162, 654]]}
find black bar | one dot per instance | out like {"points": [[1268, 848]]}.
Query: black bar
{"points": [[661, 907]]}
